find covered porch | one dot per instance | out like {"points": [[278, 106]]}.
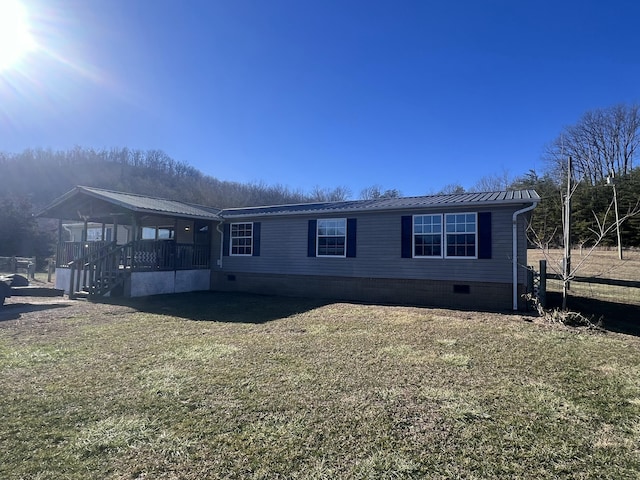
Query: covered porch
{"points": [[113, 243]]}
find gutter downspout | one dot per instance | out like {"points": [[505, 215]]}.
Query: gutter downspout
{"points": [[221, 232], [514, 220]]}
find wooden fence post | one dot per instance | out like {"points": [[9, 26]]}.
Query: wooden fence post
{"points": [[72, 273], [542, 287]]}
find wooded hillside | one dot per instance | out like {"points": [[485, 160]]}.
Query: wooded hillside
{"points": [[34, 178], [43, 175]]}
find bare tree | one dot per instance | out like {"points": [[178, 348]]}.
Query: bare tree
{"points": [[567, 272], [602, 141], [338, 194], [493, 183], [376, 191], [451, 188], [602, 226]]}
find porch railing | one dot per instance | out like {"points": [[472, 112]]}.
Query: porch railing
{"points": [[141, 255], [70, 251]]}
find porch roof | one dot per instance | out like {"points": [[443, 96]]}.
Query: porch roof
{"points": [[97, 204]]}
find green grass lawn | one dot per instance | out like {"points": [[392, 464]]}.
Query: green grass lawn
{"points": [[238, 386]]}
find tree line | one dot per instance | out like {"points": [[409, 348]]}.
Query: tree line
{"points": [[603, 146], [591, 204]]}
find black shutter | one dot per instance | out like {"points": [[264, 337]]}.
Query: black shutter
{"points": [[311, 238], [484, 235], [256, 239], [407, 227], [351, 237], [226, 233]]}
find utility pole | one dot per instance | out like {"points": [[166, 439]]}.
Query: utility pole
{"points": [[566, 264], [611, 180]]}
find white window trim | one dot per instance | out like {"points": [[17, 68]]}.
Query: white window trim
{"points": [[231, 237], [413, 236], [444, 233], [318, 237]]}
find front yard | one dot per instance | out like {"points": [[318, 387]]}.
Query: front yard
{"points": [[215, 385]]}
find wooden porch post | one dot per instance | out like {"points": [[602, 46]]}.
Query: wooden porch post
{"points": [[84, 230], [134, 239], [58, 250], [174, 256], [115, 230], [134, 227]]}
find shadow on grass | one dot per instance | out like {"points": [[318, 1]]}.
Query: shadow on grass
{"points": [[12, 311], [616, 317], [221, 306], [242, 307]]}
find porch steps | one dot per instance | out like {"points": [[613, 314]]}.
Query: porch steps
{"points": [[98, 273], [106, 283]]}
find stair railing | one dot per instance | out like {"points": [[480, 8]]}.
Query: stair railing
{"points": [[98, 272]]}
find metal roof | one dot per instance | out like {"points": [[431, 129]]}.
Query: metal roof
{"points": [[82, 200], [70, 201], [511, 197], [152, 204]]}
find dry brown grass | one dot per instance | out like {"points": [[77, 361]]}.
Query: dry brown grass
{"points": [[601, 263], [618, 306], [210, 385]]}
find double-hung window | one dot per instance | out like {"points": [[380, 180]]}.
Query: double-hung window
{"points": [[331, 237], [461, 235], [241, 239], [427, 235]]}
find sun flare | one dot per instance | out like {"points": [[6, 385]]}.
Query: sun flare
{"points": [[15, 37]]}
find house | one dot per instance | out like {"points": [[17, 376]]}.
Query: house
{"points": [[463, 250]]}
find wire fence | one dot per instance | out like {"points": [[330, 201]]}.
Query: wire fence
{"points": [[604, 289], [600, 274]]}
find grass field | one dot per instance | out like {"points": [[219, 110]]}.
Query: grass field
{"points": [[214, 385], [601, 264]]}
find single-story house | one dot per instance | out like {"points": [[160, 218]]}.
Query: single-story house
{"points": [[463, 250]]}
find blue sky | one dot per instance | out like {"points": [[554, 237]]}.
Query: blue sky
{"points": [[411, 95]]}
